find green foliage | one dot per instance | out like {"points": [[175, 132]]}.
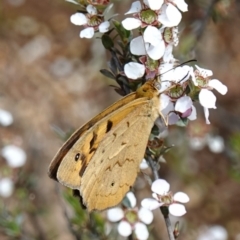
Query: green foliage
{"points": [[235, 156], [11, 224], [83, 224]]}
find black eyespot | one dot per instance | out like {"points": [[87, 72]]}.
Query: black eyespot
{"points": [[112, 184], [77, 156]]}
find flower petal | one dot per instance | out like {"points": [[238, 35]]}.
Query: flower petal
{"points": [[124, 228], [206, 114], [152, 35], [177, 209], [216, 84], [216, 232], [15, 156], [155, 5], [204, 72], [91, 9], [135, 7], [216, 144], [6, 118], [156, 52], [131, 197], [164, 102], [181, 197], [141, 231], [197, 143], [150, 203], [134, 70], [137, 46], [144, 164], [131, 23], [183, 104], [6, 187], [78, 19], [104, 27], [193, 115], [87, 32], [160, 186], [115, 214], [207, 99], [145, 215], [170, 16], [181, 5], [72, 1], [172, 118]]}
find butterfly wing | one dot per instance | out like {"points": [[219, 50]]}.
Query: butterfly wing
{"points": [[114, 166]]}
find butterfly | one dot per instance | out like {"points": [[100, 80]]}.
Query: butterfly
{"points": [[101, 159]]}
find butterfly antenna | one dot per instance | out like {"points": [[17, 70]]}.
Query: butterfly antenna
{"points": [[182, 64]]}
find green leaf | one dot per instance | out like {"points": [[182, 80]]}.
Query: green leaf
{"points": [[107, 41]]}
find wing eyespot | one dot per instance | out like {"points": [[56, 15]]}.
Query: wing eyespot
{"points": [[112, 184], [80, 156], [77, 156]]}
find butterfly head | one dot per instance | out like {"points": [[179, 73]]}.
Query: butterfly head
{"points": [[150, 89]]}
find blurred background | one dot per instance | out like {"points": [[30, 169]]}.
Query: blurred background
{"points": [[50, 84]]}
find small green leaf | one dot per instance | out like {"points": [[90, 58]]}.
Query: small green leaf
{"points": [[107, 73], [107, 41]]}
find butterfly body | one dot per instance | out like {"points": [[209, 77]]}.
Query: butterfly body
{"points": [[101, 159]]}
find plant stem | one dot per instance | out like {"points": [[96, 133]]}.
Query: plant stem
{"points": [[163, 209]]}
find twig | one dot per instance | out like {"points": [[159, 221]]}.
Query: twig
{"points": [[205, 19], [164, 210]]}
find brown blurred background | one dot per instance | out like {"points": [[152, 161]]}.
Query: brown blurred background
{"points": [[50, 78]]}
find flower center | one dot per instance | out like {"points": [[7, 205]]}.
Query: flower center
{"points": [[148, 16], [202, 82], [95, 20], [152, 64], [131, 216], [176, 92], [167, 199]]}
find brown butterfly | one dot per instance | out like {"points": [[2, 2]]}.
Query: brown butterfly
{"points": [[101, 159]]}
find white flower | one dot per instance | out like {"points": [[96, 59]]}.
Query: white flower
{"points": [[213, 233], [151, 43], [174, 103], [6, 118], [131, 219], [14, 156], [162, 197], [91, 21], [134, 70], [144, 164], [215, 144], [207, 99], [144, 14], [170, 15], [6, 187]]}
